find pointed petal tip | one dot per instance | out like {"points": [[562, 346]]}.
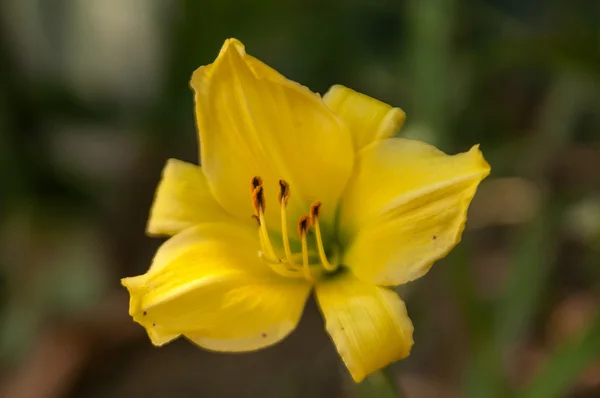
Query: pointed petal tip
{"points": [[476, 148], [160, 338], [483, 164], [233, 44], [157, 334], [231, 48], [132, 282], [200, 75], [134, 286]]}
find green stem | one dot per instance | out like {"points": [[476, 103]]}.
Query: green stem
{"points": [[566, 364], [380, 384]]}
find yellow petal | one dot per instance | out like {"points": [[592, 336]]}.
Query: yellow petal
{"points": [[182, 199], [368, 324], [254, 122], [368, 119], [406, 207], [251, 342], [209, 284]]}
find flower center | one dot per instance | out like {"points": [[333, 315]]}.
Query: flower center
{"points": [[295, 265]]}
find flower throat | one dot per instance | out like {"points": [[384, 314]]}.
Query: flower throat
{"points": [[295, 265]]}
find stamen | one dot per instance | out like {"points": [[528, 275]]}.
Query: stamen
{"points": [[303, 225], [264, 248], [315, 209], [314, 220], [302, 230], [255, 183], [263, 230], [284, 195], [287, 267], [258, 202], [284, 192], [280, 268]]}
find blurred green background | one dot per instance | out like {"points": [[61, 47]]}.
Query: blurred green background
{"points": [[94, 98]]}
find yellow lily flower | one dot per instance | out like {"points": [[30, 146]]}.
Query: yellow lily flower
{"points": [[297, 192]]}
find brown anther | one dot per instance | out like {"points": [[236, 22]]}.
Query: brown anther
{"points": [[284, 192], [315, 208], [255, 183], [303, 225], [258, 200]]}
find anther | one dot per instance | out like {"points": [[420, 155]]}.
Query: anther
{"points": [[303, 226], [255, 183], [258, 200], [284, 192], [315, 208], [287, 267]]}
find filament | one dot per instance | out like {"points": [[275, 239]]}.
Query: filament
{"points": [[289, 266]]}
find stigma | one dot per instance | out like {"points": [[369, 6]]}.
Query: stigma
{"points": [[288, 263]]}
